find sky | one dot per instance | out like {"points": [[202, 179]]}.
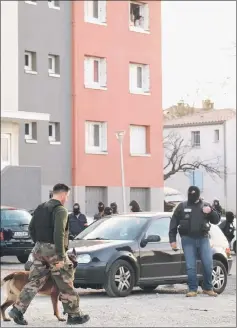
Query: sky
{"points": [[198, 52]]}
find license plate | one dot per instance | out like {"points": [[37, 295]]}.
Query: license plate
{"points": [[20, 234]]}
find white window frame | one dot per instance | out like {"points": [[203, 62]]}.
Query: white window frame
{"points": [[52, 71], [89, 136], [134, 144], [144, 12], [9, 145], [52, 5], [145, 89], [53, 137], [193, 139], [31, 2], [29, 67], [89, 73], [88, 12], [30, 135]]}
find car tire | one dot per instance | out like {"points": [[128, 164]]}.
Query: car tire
{"points": [[219, 277], [23, 258], [120, 279], [234, 247], [149, 288]]}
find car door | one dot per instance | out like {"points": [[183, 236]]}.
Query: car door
{"points": [[157, 260]]}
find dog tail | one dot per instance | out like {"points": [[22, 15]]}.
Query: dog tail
{"points": [[7, 278]]}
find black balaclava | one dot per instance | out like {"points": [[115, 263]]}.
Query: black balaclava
{"points": [[76, 208], [101, 207], [108, 211], [193, 194], [135, 206], [230, 217], [114, 207]]}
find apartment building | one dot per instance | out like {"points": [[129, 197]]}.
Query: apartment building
{"points": [[36, 100], [116, 66], [75, 73]]}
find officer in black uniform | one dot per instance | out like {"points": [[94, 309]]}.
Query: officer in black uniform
{"points": [[192, 220]]}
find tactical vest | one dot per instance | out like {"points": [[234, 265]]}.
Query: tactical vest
{"points": [[43, 224], [186, 225]]}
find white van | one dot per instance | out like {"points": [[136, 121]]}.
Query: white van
{"points": [[173, 196]]}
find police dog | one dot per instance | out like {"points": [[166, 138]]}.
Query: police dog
{"points": [[15, 282]]}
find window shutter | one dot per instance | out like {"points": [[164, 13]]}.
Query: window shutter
{"points": [[146, 17], [146, 78], [88, 70], [102, 10], [133, 77], [103, 134], [103, 73], [138, 140]]}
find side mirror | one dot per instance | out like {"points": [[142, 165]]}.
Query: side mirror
{"points": [[153, 239], [150, 239]]}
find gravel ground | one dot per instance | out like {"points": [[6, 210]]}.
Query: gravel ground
{"points": [[161, 308]]}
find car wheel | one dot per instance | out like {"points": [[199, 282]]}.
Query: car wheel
{"points": [[219, 277], [23, 258], [120, 279], [234, 247], [148, 288]]}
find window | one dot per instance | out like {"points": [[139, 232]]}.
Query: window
{"points": [[31, 2], [5, 149], [160, 227], [30, 132], [54, 4], [196, 179], [139, 78], [216, 136], [95, 75], [54, 65], [138, 140], [30, 62], [54, 132], [95, 12], [195, 138], [96, 137], [139, 16]]}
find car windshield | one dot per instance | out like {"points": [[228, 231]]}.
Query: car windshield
{"points": [[115, 228], [15, 216]]}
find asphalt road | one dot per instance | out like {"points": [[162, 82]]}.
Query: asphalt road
{"points": [[161, 308]]}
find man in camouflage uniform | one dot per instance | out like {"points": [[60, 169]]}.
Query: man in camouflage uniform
{"points": [[49, 230]]}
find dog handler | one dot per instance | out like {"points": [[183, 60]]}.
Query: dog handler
{"points": [[49, 230]]}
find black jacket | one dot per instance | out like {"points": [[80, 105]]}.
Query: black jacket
{"points": [[77, 224], [196, 220], [228, 229]]}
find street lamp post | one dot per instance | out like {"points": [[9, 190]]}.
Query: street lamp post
{"points": [[120, 137]]}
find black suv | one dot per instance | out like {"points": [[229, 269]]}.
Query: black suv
{"points": [[20, 245]]}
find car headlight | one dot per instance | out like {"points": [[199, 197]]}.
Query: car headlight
{"points": [[30, 258], [83, 258]]}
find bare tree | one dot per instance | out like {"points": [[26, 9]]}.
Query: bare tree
{"points": [[176, 150]]}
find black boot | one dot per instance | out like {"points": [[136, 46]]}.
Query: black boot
{"points": [[77, 319], [17, 316]]}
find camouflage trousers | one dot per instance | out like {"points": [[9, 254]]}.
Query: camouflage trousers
{"points": [[44, 264]]}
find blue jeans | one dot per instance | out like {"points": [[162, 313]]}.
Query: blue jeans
{"points": [[192, 247]]}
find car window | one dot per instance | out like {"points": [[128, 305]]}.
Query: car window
{"points": [[160, 227], [115, 228], [15, 216]]}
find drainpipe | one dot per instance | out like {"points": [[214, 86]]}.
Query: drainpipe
{"points": [[225, 168]]}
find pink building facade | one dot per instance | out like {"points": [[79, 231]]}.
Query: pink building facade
{"points": [[117, 85]]}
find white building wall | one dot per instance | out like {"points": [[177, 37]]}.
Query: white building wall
{"points": [[208, 150], [9, 55], [231, 163]]}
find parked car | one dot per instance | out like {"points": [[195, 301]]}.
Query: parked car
{"points": [[20, 245], [131, 250]]}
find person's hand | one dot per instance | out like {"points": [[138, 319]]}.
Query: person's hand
{"points": [[59, 265], [206, 209], [173, 245], [86, 225]]}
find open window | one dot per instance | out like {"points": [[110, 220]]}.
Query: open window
{"points": [[139, 16]]}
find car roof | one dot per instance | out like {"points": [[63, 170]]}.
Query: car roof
{"points": [[3, 207], [148, 214]]}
